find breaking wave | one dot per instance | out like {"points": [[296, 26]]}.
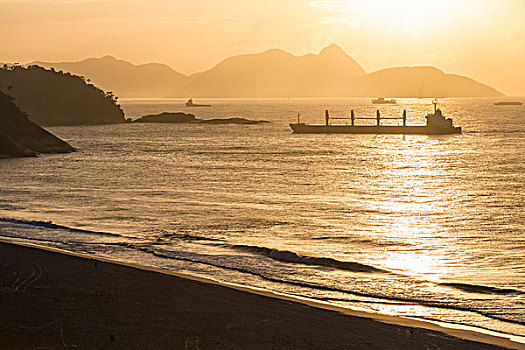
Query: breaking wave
{"points": [[51, 225], [269, 274], [292, 257]]}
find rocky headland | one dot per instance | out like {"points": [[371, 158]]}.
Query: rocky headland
{"points": [[20, 137], [52, 97]]}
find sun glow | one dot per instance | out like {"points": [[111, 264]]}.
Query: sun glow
{"points": [[410, 9], [410, 16]]}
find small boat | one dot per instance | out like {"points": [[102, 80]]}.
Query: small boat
{"points": [[382, 100], [437, 124], [508, 103], [190, 103]]}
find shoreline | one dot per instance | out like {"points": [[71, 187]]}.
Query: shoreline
{"points": [[464, 335]]}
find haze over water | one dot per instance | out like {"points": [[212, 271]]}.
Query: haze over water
{"points": [[425, 226]]}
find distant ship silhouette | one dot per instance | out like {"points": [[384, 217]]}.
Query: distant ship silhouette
{"points": [[382, 100], [437, 124], [508, 103], [190, 103]]}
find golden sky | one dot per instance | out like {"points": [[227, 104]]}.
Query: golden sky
{"points": [[483, 39]]}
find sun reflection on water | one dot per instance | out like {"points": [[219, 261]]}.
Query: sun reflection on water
{"points": [[418, 199]]}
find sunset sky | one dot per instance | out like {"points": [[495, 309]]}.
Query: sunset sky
{"points": [[483, 39]]}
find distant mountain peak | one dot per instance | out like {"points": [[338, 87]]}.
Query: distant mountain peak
{"points": [[108, 58], [274, 73], [275, 52], [332, 50], [123, 77], [413, 69]]}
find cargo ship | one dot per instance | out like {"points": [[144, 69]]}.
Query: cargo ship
{"points": [[508, 103], [437, 124]]}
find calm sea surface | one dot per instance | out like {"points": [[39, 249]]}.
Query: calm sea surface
{"points": [[421, 226]]}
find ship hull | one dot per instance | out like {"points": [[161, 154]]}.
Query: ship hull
{"points": [[508, 104], [372, 129]]}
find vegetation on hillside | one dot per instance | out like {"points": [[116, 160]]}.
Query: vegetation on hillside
{"points": [[53, 97]]}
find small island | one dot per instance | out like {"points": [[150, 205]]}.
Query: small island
{"points": [[167, 117], [180, 117], [20, 137]]}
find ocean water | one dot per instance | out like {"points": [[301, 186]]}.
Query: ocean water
{"points": [[417, 226]]}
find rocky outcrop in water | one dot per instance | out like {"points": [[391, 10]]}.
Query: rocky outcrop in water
{"points": [[179, 117], [19, 137], [167, 117]]}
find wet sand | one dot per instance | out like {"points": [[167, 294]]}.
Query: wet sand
{"points": [[51, 300]]}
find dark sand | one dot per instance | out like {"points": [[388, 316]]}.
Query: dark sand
{"points": [[50, 300]]}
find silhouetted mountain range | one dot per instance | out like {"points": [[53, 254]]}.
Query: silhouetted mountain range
{"points": [[420, 82], [275, 73], [55, 98], [124, 78]]}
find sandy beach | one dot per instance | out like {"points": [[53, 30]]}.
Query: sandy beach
{"points": [[51, 300]]}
